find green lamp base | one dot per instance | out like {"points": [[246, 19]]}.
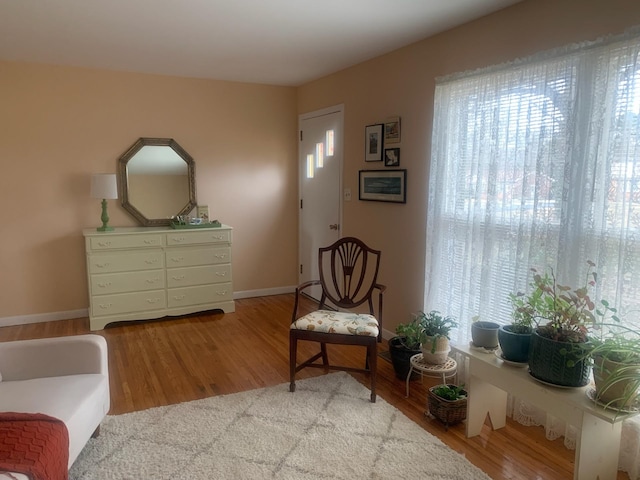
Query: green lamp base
{"points": [[105, 219]]}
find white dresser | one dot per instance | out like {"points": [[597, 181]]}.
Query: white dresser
{"points": [[138, 273]]}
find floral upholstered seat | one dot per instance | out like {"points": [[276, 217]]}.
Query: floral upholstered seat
{"points": [[345, 323]]}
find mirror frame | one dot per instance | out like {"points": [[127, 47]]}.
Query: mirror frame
{"points": [[123, 183]]}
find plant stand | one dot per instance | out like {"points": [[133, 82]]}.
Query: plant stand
{"points": [[447, 369]]}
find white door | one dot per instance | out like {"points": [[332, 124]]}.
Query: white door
{"points": [[320, 157]]}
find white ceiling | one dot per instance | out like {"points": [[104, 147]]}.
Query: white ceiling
{"points": [[279, 42]]}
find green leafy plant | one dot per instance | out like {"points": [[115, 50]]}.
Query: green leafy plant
{"points": [[410, 334], [450, 392], [560, 312], [434, 324], [616, 351]]}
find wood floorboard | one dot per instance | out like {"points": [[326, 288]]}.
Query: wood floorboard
{"points": [[162, 362]]}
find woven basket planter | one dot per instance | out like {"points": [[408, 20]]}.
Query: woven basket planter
{"points": [[548, 362], [440, 353], [448, 412]]}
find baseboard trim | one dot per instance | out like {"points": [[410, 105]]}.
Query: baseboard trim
{"points": [[43, 317], [84, 312], [264, 292]]}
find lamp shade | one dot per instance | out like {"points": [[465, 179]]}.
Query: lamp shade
{"points": [[104, 185]]}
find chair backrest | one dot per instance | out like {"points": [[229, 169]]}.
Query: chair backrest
{"points": [[348, 273]]}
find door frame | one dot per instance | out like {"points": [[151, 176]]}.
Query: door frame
{"points": [[306, 116]]}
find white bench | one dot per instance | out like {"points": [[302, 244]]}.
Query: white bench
{"points": [[491, 380]]}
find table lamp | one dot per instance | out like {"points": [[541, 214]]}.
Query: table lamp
{"points": [[104, 186]]}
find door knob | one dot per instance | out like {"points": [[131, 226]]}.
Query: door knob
{"points": [[333, 227]]}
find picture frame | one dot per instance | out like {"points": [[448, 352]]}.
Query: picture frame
{"points": [[392, 157], [383, 185], [392, 130], [202, 211], [373, 142]]}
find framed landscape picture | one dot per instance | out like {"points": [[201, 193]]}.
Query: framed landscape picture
{"points": [[383, 185], [373, 142]]}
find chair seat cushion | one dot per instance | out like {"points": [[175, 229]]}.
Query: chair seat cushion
{"points": [[345, 323]]}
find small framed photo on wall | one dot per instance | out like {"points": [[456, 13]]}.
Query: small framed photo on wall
{"points": [[392, 157], [373, 142], [392, 130]]}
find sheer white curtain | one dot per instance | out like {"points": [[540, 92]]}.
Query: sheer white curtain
{"points": [[537, 164]]}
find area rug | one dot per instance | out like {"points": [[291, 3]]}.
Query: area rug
{"points": [[327, 429]]}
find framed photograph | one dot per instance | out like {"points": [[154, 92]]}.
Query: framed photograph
{"points": [[392, 157], [392, 130], [373, 138], [202, 211], [383, 185]]}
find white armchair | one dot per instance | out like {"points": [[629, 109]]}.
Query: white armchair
{"points": [[65, 377]]}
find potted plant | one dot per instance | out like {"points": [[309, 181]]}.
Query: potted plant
{"points": [[616, 356], [435, 336], [514, 339], [448, 403], [484, 334], [559, 343], [405, 345]]}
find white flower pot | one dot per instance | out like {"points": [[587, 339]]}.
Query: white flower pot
{"points": [[441, 353]]}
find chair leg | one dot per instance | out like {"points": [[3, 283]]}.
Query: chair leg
{"points": [[325, 357], [96, 432], [373, 369], [293, 352]]}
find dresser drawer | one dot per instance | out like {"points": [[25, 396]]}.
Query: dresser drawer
{"points": [[179, 297], [194, 238], [186, 277], [111, 242], [125, 262], [127, 282], [190, 257], [128, 303]]}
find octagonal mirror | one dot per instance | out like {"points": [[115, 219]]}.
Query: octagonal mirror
{"points": [[156, 181]]}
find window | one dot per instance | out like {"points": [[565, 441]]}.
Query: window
{"points": [[536, 164]]}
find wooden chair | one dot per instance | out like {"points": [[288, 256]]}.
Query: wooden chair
{"points": [[348, 277]]}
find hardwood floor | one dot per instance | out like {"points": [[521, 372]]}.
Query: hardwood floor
{"points": [[176, 360]]}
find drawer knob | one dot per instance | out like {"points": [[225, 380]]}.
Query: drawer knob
{"points": [[104, 284], [102, 265], [177, 259], [221, 293], [104, 244], [218, 237], [149, 242], [221, 255], [178, 278], [151, 262], [153, 280], [178, 239], [104, 306], [153, 300], [221, 274], [178, 297]]}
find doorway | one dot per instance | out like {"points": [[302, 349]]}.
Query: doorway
{"points": [[320, 176]]}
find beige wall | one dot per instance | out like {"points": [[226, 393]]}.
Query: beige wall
{"points": [[402, 83], [58, 125]]}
